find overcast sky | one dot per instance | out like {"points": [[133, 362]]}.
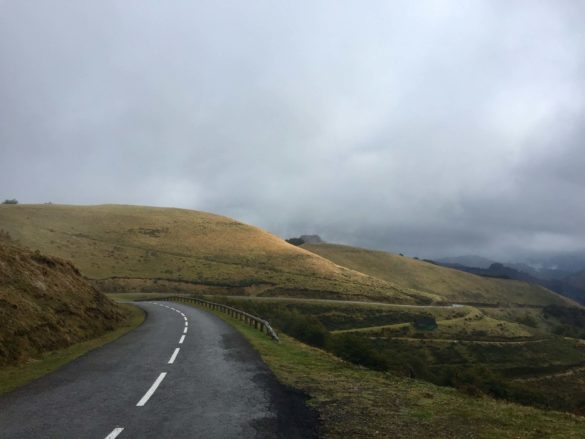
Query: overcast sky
{"points": [[424, 127]]}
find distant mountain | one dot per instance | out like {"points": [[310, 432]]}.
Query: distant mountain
{"points": [[567, 262], [466, 261], [577, 280]]}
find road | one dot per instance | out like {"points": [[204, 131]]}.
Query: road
{"points": [[184, 373]]}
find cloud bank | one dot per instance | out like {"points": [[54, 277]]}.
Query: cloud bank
{"points": [[430, 128]]}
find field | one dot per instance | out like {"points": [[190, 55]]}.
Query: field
{"points": [[131, 248], [453, 285]]}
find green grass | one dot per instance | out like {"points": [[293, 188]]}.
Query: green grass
{"points": [[16, 376], [355, 402], [467, 349]]}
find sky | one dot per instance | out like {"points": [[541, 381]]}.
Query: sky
{"points": [[432, 128]]}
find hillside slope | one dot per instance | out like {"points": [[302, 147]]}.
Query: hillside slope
{"points": [[45, 304], [126, 248], [453, 285]]}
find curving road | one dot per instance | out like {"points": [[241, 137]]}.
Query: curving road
{"points": [[183, 374]]}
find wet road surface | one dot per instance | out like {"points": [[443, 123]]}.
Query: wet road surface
{"points": [[184, 373]]}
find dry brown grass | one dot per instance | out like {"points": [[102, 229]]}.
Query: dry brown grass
{"points": [[145, 245], [45, 304], [452, 285]]}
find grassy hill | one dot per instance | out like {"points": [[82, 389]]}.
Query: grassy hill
{"points": [[142, 249], [452, 285], [45, 304], [132, 248]]}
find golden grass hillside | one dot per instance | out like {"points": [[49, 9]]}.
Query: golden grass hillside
{"points": [[133, 248], [452, 285], [45, 304]]}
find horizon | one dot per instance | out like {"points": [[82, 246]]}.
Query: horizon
{"points": [[537, 262]]}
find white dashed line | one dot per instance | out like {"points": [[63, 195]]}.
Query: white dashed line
{"points": [[185, 318], [182, 339], [185, 331], [152, 389], [186, 323], [115, 432], [172, 360]]}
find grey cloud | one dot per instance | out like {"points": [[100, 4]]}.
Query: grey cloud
{"points": [[431, 128]]}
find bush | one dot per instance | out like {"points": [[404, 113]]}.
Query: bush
{"points": [[13, 201], [295, 241], [359, 350]]}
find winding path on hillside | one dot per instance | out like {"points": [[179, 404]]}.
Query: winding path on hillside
{"points": [[183, 374]]}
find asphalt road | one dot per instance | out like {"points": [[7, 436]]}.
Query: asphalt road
{"points": [[184, 373]]}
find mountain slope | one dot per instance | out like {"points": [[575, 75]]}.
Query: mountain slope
{"points": [[161, 249], [45, 304], [452, 285]]}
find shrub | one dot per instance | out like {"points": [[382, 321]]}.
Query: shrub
{"points": [[295, 241], [359, 350], [13, 201]]}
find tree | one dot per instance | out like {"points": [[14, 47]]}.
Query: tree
{"points": [[13, 201]]}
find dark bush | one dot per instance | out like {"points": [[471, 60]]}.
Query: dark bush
{"points": [[295, 241], [359, 350]]}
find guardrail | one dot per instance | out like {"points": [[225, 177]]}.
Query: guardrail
{"points": [[256, 322]]}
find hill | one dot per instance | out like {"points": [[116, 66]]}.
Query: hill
{"points": [[45, 304], [133, 248], [452, 285]]}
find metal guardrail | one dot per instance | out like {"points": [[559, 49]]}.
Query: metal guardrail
{"points": [[256, 322]]}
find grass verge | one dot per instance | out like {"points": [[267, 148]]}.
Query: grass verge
{"points": [[16, 376], [356, 402]]}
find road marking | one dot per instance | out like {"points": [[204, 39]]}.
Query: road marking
{"points": [[185, 318], [115, 432], [172, 360], [152, 389], [182, 339], [185, 331], [186, 323]]}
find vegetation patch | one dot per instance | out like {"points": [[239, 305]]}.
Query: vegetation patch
{"points": [[475, 361], [45, 305], [356, 402]]}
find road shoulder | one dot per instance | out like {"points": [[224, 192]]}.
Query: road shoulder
{"points": [[14, 377]]}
